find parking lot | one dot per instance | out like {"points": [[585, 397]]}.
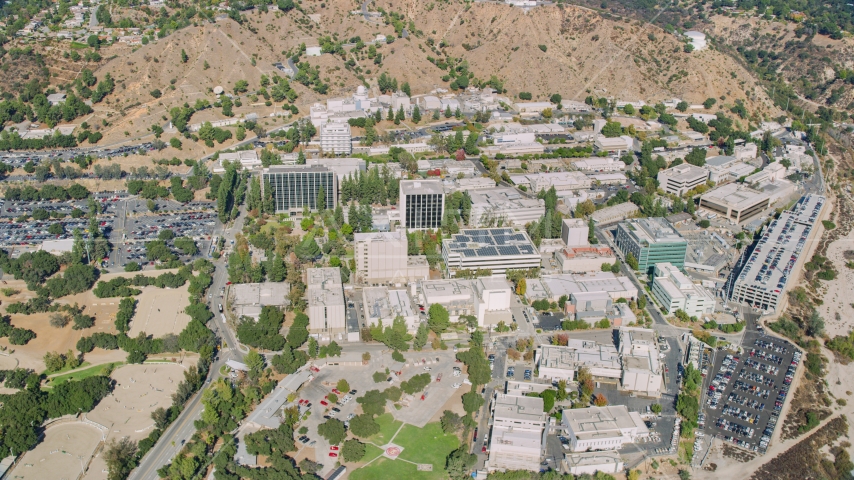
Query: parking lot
{"points": [[745, 391]]}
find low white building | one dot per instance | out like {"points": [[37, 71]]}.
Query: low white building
{"points": [[502, 206], [675, 291], [487, 298], [326, 303], [697, 39], [552, 287], [555, 362], [640, 357], [383, 305], [562, 181], [531, 109], [584, 259], [516, 440], [591, 462], [623, 143], [514, 149], [602, 428], [599, 164], [682, 178]]}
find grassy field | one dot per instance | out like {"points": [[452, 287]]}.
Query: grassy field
{"points": [[371, 452], [388, 427], [426, 445], [56, 373], [385, 469], [81, 374]]}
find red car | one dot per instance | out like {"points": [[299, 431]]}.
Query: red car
{"points": [[483, 450], [334, 448], [333, 454], [335, 391], [324, 403], [439, 377], [423, 395]]}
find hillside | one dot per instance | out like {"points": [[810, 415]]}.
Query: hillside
{"points": [[568, 50]]}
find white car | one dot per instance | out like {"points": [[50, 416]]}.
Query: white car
{"points": [[457, 385], [457, 373], [427, 369]]}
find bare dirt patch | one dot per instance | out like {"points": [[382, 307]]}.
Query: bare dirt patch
{"points": [[809, 397], [804, 459], [65, 449], [160, 311], [736, 454]]}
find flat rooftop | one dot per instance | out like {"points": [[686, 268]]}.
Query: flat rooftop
{"points": [[380, 302], [719, 160], [578, 353], [655, 230], [515, 407], [267, 293], [602, 422], [323, 276], [735, 196], [490, 242], [568, 283], [503, 198], [421, 187], [296, 169], [685, 172]]}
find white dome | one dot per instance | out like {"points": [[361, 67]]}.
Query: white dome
{"points": [[218, 90], [360, 90], [693, 34]]}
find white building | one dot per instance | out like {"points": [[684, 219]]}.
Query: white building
{"points": [[642, 369], [532, 109], [494, 249], [335, 138], [563, 182], [500, 206], [697, 39], [623, 143], [516, 442], [381, 258], [682, 178], [342, 166], [552, 287], [326, 303], [675, 291], [602, 428], [616, 213], [514, 149], [735, 202], [592, 462], [383, 305], [574, 232], [584, 259], [475, 183], [555, 362], [487, 299], [599, 164]]}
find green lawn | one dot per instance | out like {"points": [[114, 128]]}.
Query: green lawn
{"points": [[80, 374], [385, 469], [78, 46], [371, 452], [388, 427], [426, 445], [82, 365]]}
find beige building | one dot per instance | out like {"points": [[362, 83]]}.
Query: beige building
{"points": [[381, 258], [642, 369], [326, 303], [602, 428], [735, 202], [517, 433]]}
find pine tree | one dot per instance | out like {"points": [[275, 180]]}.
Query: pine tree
{"points": [[435, 114], [471, 144], [458, 114], [390, 116], [378, 115], [416, 114], [268, 206], [339, 216], [276, 269], [184, 56], [448, 112], [321, 199], [301, 158], [400, 116]]}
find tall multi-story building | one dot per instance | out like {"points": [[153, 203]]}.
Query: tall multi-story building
{"points": [[335, 138], [642, 368], [736, 202], [294, 188], [422, 204], [574, 232], [495, 249], [382, 258], [675, 291], [651, 241], [326, 303]]}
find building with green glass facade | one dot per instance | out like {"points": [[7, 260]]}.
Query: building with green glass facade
{"points": [[651, 241], [295, 187]]}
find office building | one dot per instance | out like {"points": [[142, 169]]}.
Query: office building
{"points": [[617, 213], [583, 259], [294, 188], [381, 258], [729, 173], [556, 362], [642, 368], [681, 178], [326, 303], [602, 428], [651, 241], [563, 182], [335, 138], [574, 232], [599, 164], [422, 204], [343, 167], [487, 299], [503, 206], [618, 145], [516, 442], [591, 462], [735, 202], [494, 249], [382, 304], [247, 299], [552, 287], [247, 159], [675, 291], [761, 280]]}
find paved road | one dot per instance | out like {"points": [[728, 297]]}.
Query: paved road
{"points": [[183, 428]]}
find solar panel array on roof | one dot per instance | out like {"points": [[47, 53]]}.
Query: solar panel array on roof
{"points": [[487, 251], [526, 249], [491, 242], [469, 253], [508, 250]]}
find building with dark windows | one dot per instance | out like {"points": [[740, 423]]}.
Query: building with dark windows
{"points": [[493, 249], [422, 204], [651, 241], [296, 187]]}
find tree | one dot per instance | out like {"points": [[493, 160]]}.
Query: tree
{"points": [[332, 430], [459, 462], [58, 320], [353, 450], [373, 402], [364, 425], [438, 318], [682, 106], [416, 114], [612, 129], [321, 199], [632, 261], [472, 401], [451, 422], [709, 103], [256, 363], [420, 337], [343, 386], [120, 457], [629, 109], [184, 56]]}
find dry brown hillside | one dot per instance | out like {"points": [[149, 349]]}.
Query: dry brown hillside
{"points": [[584, 54]]}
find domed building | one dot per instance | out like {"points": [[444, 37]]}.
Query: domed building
{"points": [[698, 39]]}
